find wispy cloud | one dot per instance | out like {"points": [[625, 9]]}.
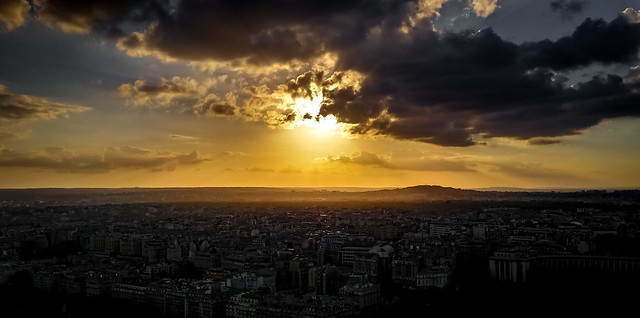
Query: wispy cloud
{"points": [[17, 107], [360, 158], [543, 141], [126, 157], [410, 164], [259, 169]]}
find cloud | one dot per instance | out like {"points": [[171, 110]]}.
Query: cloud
{"points": [[212, 105], [13, 14], [529, 171], [4, 135], [425, 10], [411, 82], [78, 16], [439, 88], [248, 102], [568, 8], [233, 153], [163, 93], [435, 164], [484, 8], [593, 41], [543, 141], [259, 169], [268, 32], [291, 169], [181, 93], [633, 16], [409, 164], [634, 75], [445, 88], [126, 157], [183, 137], [17, 107], [261, 32], [361, 158]]}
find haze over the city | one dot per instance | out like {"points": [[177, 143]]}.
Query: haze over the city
{"points": [[458, 93]]}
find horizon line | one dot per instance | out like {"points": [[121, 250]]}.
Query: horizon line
{"points": [[495, 188]]}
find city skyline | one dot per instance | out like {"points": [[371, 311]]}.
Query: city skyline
{"points": [[458, 93]]}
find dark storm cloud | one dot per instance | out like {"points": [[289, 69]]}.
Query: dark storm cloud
{"points": [[82, 16], [568, 8], [60, 159], [593, 41], [421, 85], [301, 86], [634, 75], [442, 89], [263, 32], [17, 107]]}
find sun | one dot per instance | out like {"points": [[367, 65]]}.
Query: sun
{"points": [[309, 111]]}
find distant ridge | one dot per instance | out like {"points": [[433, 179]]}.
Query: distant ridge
{"points": [[514, 189], [99, 196]]}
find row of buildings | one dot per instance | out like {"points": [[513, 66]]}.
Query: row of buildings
{"points": [[264, 261]]}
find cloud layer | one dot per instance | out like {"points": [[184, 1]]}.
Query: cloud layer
{"points": [[16, 107], [444, 88], [365, 158], [63, 160], [411, 81]]}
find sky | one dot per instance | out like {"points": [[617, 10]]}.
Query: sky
{"points": [[320, 93]]}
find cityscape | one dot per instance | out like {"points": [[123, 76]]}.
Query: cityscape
{"points": [[319, 158], [318, 258]]}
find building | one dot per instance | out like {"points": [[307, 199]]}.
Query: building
{"points": [[131, 246], [133, 293], [365, 294], [98, 285], [514, 267], [325, 279], [434, 277], [348, 254], [440, 229], [385, 232], [404, 272], [243, 305]]}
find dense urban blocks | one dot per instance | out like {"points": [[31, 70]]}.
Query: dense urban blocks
{"points": [[319, 259]]}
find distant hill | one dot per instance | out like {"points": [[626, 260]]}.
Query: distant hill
{"points": [[513, 189], [97, 196]]}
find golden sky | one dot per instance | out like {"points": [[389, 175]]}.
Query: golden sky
{"points": [[468, 94]]}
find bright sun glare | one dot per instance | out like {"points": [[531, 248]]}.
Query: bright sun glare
{"points": [[312, 108]]}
